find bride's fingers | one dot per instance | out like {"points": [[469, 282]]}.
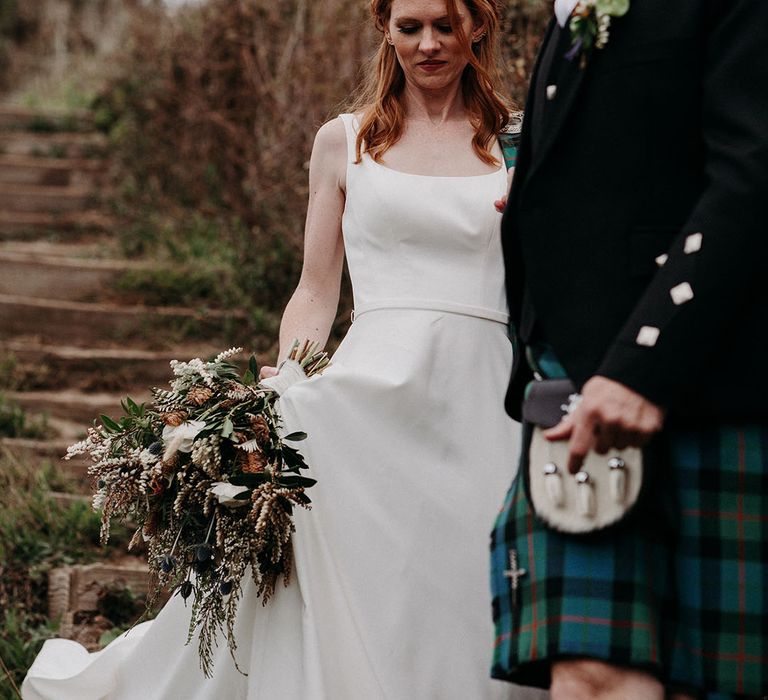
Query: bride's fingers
{"points": [[267, 372]]}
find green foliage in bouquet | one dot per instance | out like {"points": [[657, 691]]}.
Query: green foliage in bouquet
{"points": [[212, 484]]}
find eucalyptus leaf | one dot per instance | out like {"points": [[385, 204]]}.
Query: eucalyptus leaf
{"points": [[296, 437], [110, 424], [249, 480], [297, 481], [292, 458], [227, 428]]}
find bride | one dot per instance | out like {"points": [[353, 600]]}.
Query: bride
{"points": [[408, 438]]}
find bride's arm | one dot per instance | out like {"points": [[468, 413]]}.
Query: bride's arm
{"points": [[312, 308]]}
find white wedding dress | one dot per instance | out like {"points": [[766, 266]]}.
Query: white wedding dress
{"points": [[413, 453]]}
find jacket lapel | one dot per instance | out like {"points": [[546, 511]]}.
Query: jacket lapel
{"points": [[568, 77], [524, 153]]}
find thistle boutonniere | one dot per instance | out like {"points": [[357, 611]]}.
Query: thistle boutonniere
{"points": [[590, 24]]}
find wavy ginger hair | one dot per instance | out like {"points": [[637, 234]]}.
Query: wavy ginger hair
{"points": [[381, 96]]}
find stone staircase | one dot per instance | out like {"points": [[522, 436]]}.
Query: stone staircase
{"points": [[77, 345]]}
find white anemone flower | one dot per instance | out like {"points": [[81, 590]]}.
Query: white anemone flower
{"points": [[179, 438], [226, 493]]}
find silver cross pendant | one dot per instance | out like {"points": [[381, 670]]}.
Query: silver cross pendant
{"points": [[514, 574]]}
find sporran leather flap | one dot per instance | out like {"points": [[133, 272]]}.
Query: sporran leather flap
{"points": [[545, 401], [601, 494]]}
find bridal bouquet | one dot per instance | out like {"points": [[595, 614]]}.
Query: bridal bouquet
{"points": [[210, 481]]}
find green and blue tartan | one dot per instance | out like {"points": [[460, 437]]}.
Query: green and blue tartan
{"points": [[679, 590]]}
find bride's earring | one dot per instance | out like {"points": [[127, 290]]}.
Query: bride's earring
{"points": [[389, 39], [479, 38]]}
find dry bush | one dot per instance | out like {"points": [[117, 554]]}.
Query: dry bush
{"points": [[524, 23], [224, 102], [47, 43]]}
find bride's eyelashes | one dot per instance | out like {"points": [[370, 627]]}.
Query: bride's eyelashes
{"points": [[413, 28]]}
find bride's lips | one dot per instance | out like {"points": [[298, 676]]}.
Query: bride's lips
{"points": [[432, 65]]}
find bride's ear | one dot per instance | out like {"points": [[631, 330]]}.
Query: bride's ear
{"points": [[478, 34]]}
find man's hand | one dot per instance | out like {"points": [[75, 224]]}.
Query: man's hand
{"points": [[609, 416]]}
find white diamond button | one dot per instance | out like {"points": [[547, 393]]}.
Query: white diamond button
{"points": [[682, 293], [662, 260], [648, 336], [551, 92], [693, 243]]}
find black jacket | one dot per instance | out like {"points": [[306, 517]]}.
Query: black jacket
{"points": [[663, 135]]}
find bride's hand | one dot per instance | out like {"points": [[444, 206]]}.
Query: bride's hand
{"points": [[501, 204], [267, 372]]}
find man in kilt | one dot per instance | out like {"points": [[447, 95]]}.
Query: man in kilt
{"points": [[636, 245]]}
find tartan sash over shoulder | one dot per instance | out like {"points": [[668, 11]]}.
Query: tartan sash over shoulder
{"points": [[509, 139]]}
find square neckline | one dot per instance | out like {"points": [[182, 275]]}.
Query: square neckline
{"points": [[441, 177], [351, 121]]}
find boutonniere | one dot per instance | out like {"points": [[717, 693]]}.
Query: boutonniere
{"points": [[590, 24]]}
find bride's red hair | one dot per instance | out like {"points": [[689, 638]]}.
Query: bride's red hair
{"points": [[381, 97]]}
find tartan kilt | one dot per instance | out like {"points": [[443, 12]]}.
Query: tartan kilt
{"points": [[679, 589]]}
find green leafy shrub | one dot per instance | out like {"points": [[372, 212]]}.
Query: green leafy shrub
{"points": [[15, 423], [37, 534]]}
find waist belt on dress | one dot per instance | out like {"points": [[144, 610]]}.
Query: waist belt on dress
{"points": [[429, 305]]}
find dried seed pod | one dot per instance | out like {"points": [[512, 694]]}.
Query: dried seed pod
{"points": [[260, 430], [255, 463], [198, 395], [175, 418]]}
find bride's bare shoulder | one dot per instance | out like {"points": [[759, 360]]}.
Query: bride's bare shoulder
{"points": [[331, 137], [329, 153]]}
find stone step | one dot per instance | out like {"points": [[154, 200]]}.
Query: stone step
{"points": [[51, 450], [78, 591], [54, 276], [95, 249], [31, 453], [61, 145], [66, 500], [65, 429], [28, 170], [45, 121], [69, 405], [91, 369], [16, 225], [78, 324], [37, 198]]}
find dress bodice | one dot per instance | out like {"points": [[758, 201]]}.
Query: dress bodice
{"points": [[418, 241]]}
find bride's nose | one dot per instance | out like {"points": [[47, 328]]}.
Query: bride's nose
{"points": [[430, 42]]}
